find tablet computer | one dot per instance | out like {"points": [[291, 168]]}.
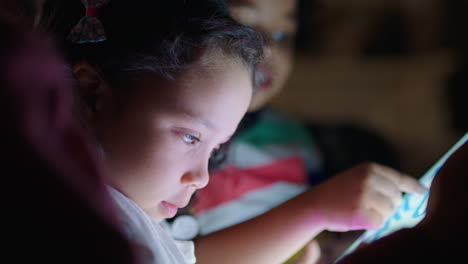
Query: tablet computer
{"points": [[411, 211]]}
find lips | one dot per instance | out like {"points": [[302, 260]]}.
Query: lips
{"points": [[263, 78], [170, 209]]}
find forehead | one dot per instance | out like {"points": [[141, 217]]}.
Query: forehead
{"points": [[213, 80], [267, 13], [210, 91]]}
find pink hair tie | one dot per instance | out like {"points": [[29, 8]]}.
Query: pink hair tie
{"points": [[89, 29], [91, 11]]}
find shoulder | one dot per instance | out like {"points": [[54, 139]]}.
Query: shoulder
{"points": [[153, 243]]}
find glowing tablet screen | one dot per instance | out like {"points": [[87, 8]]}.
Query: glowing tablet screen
{"points": [[411, 211]]}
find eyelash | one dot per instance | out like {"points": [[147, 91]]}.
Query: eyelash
{"points": [[215, 151], [216, 156], [190, 139]]}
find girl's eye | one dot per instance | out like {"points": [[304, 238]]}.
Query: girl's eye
{"points": [[191, 140], [217, 157], [282, 38], [215, 151], [279, 36]]}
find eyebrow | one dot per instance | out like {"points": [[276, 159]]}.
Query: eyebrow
{"points": [[188, 114], [206, 123]]}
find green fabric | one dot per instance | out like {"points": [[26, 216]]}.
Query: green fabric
{"points": [[275, 129]]}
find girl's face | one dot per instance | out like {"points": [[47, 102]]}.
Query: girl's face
{"points": [[158, 145], [276, 20]]}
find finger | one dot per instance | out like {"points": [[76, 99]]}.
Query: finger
{"points": [[383, 204], [404, 182], [366, 219], [388, 188], [311, 253], [374, 220], [411, 185]]}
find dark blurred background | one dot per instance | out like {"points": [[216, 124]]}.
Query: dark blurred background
{"points": [[398, 67]]}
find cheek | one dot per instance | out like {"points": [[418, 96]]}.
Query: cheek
{"points": [[157, 178], [281, 61], [164, 156], [141, 155]]}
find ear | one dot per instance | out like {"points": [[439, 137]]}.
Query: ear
{"points": [[93, 91], [94, 96]]}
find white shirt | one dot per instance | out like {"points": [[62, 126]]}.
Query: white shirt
{"points": [[154, 244]]}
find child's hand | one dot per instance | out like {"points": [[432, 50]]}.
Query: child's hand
{"points": [[362, 197], [310, 254]]}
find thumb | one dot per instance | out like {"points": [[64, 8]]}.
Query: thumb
{"points": [[311, 253]]}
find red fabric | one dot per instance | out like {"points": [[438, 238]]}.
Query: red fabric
{"points": [[231, 183]]}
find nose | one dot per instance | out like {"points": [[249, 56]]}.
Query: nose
{"points": [[197, 177]]}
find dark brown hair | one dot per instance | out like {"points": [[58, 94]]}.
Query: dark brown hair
{"points": [[162, 37]]}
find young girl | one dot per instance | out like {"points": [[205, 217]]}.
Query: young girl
{"points": [[161, 85]]}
